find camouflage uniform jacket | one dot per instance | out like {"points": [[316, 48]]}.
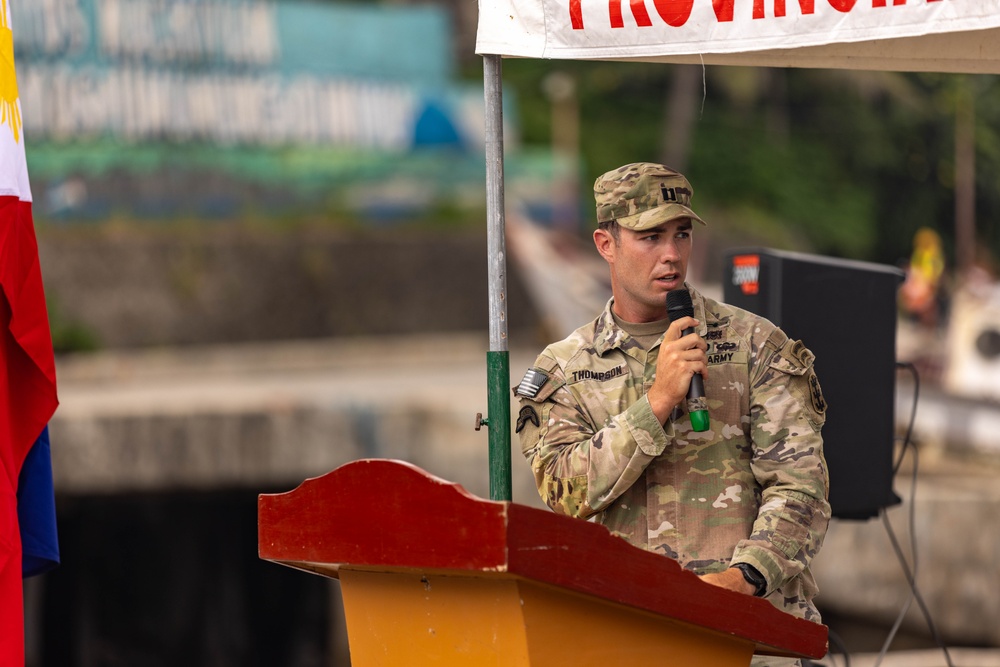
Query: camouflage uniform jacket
{"points": [[752, 489]]}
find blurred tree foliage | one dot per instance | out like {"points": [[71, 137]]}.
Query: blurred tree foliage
{"points": [[851, 163]]}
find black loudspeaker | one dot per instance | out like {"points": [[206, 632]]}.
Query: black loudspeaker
{"points": [[845, 312]]}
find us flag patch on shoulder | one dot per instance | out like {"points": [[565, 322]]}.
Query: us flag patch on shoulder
{"points": [[531, 383]]}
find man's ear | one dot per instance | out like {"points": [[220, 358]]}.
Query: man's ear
{"points": [[605, 243]]}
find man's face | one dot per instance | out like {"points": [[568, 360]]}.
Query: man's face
{"points": [[645, 266]]}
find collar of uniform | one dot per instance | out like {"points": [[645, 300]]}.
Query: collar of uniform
{"points": [[608, 335], [698, 301]]}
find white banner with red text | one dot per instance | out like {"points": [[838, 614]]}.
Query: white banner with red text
{"points": [[932, 35]]}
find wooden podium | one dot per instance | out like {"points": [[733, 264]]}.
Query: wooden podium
{"points": [[432, 575]]}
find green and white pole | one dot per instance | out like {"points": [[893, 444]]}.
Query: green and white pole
{"points": [[498, 356]]}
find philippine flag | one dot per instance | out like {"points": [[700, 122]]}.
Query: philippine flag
{"points": [[27, 368]]}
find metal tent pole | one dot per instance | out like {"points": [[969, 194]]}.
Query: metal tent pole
{"points": [[498, 357]]}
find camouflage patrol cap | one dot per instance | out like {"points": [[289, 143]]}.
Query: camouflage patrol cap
{"points": [[643, 195]]}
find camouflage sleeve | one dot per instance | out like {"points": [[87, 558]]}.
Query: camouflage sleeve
{"points": [[579, 468], [787, 415]]}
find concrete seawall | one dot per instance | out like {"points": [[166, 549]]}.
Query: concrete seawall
{"points": [[147, 286], [273, 414]]}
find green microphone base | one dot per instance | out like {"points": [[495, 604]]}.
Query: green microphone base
{"points": [[699, 420]]}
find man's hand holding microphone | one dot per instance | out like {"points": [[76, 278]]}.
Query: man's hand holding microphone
{"points": [[682, 364]]}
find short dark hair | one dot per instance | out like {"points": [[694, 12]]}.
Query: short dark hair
{"points": [[613, 228]]}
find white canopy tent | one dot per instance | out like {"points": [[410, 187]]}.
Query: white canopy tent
{"points": [[894, 35]]}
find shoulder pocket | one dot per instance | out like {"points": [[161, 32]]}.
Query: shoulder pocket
{"points": [[793, 358], [539, 382]]}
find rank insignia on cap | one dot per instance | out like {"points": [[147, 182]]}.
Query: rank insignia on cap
{"points": [[531, 383]]}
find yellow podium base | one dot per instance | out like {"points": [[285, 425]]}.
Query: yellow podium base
{"points": [[412, 619]]}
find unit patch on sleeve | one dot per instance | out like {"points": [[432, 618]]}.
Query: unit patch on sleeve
{"points": [[531, 383], [816, 393]]}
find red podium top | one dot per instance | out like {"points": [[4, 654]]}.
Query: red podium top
{"points": [[390, 515]]}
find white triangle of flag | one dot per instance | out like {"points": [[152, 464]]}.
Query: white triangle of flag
{"points": [[13, 166]]}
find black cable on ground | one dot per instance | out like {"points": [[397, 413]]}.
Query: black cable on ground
{"points": [[911, 575], [838, 643]]}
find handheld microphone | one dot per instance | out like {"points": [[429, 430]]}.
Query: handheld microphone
{"points": [[679, 305]]}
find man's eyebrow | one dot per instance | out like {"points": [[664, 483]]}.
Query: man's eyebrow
{"points": [[661, 228]]}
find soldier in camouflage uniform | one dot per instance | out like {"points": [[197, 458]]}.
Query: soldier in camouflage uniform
{"points": [[605, 425]]}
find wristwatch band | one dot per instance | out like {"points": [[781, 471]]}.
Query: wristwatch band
{"points": [[753, 577]]}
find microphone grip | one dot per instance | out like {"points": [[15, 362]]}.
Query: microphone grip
{"points": [[696, 392], [697, 389]]}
